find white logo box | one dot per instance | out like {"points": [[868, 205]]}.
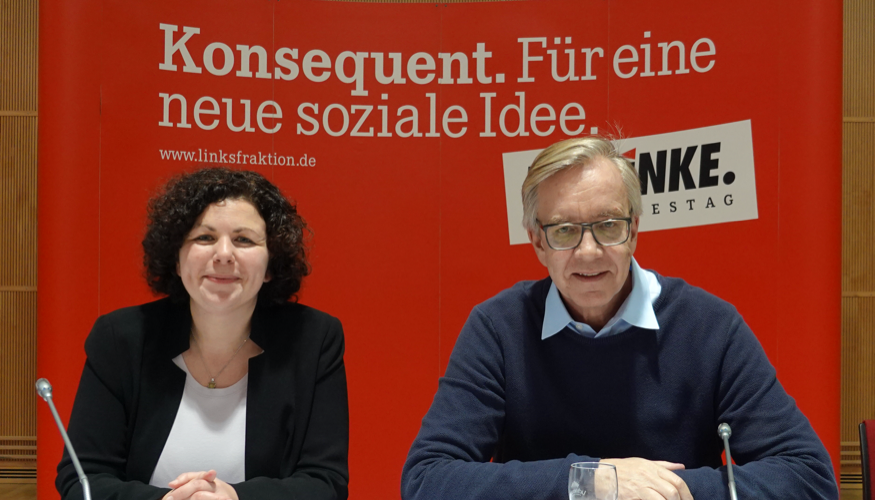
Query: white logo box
{"points": [[693, 178]]}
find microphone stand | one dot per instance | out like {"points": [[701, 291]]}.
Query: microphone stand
{"points": [[44, 389], [724, 431]]}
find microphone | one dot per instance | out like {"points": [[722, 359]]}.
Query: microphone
{"points": [[724, 431], [44, 389]]}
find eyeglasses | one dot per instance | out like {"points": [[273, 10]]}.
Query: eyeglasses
{"points": [[568, 235]]}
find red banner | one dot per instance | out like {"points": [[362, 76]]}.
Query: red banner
{"points": [[395, 126]]}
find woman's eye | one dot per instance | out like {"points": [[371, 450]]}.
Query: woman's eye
{"points": [[203, 238], [243, 239]]}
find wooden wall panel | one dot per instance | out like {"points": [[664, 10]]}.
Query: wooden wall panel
{"points": [[859, 59], [18, 243], [858, 208], [858, 291], [858, 370], [18, 274], [18, 267], [18, 55], [858, 233], [18, 344]]}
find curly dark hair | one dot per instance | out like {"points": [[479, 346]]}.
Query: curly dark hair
{"points": [[174, 210]]}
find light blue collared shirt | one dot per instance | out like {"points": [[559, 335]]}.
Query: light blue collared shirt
{"points": [[636, 310]]}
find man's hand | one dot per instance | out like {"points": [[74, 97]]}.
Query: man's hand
{"points": [[640, 479], [201, 485]]}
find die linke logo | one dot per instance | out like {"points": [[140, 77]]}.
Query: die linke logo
{"points": [[688, 178]]}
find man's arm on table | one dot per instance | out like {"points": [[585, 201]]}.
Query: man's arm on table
{"points": [[778, 454]]}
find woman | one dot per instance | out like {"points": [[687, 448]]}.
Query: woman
{"points": [[223, 390]]}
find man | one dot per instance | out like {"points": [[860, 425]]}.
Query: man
{"points": [[606, 361]]}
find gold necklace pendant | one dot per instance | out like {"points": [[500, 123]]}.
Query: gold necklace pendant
{"points": [[212, 383]]}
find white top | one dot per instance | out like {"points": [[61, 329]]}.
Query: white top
{"points": [[209, 433]]}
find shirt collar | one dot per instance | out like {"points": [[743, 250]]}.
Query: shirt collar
{"points": [[636, 310]]}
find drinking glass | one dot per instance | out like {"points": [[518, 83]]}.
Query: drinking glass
{"points": [[592, 481]]}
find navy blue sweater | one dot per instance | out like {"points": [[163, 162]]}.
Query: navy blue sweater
{"points": [[536, 406]]}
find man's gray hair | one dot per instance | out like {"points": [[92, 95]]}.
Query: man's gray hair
{"points": [[574, 153]]}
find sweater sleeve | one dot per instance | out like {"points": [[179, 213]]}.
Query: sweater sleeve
{"points": [[98, 425], [450, 457], [776, 451], [321, 472]]}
